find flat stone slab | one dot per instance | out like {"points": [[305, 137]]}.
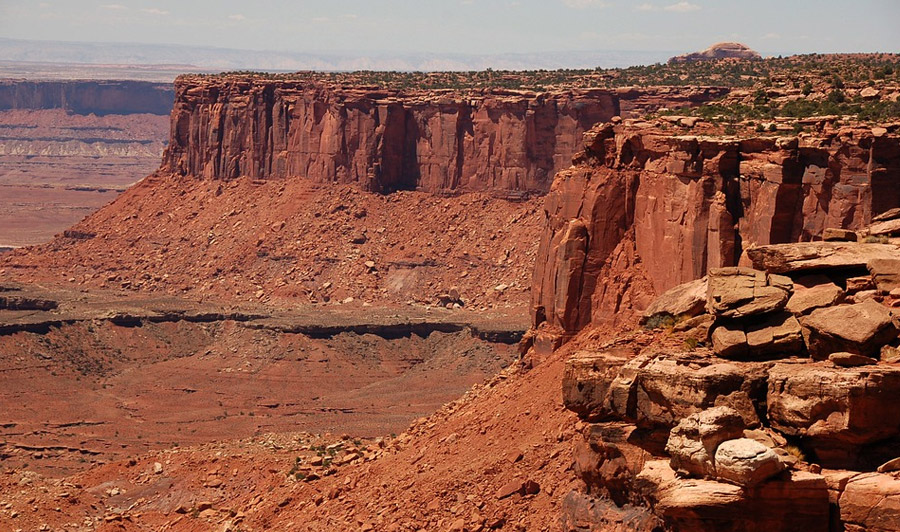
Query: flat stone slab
{"points": [[741, 292], [811, 256], [862, 329]]}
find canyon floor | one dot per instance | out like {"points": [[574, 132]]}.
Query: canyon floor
{"points": [[57, 167]]}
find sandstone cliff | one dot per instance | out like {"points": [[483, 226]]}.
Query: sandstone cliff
{"points": [[87, 97], [498, 140], [645, 210]]}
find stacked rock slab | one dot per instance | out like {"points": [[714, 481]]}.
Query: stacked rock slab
{"points": [[750, 322], [798, 426]]}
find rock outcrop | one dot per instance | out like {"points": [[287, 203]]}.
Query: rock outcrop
{"points": [[643, 211], [802, 422], [492, 139], [722, 50]]}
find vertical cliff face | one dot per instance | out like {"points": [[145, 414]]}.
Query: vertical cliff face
{"points": [[645, 210], [503, 141], [87, 97]]}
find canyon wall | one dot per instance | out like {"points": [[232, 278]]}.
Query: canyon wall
{"points": [[492, 139], [88, 97], [504, 141], [645, 210]]}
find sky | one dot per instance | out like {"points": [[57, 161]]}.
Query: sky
{"points": [[465, 26]]}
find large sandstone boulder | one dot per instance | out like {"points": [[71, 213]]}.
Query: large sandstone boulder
{"points": [[839, 412], [693, 442], [587, 378], [741, 292], [809, 256], [795, 501], [871, 502], [659, 390], [805, 301], [862, 329], [684, 300], [746, 462], [776, 336]]}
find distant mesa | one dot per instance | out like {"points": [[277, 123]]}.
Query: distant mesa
{"points": [[722, 50]]}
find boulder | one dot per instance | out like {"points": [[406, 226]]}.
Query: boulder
{"points": [[886, 273], [862, 328], [811, 256], [819, 296], [693, 441], [684, 300], [736, 292], [777, 336], [587, 378], [658, 390], [746, 462], [839, 412], [794, 501], [871, 502]]}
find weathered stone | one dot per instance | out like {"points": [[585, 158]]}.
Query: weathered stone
{"points": [[741, 292], [610, 454], [581, 512], [850, 360], [889, 466], [862, 328], [889, 214], [693, 441], [838, 235], [777, 336], [658, 390], [871, 502], [811, 256], [837, 411], [823, 295], [728, 341], [886, 273], [684, 300], [890, 354], [858, 284], [746, 462], [794, 501], [887, 227], [587, 378]]}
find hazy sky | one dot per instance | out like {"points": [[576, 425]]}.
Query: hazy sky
{"points": [[468, 26]]}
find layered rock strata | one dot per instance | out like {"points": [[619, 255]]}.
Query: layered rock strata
{"points": [[644, 210], [88, 97], [491, 139]]}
